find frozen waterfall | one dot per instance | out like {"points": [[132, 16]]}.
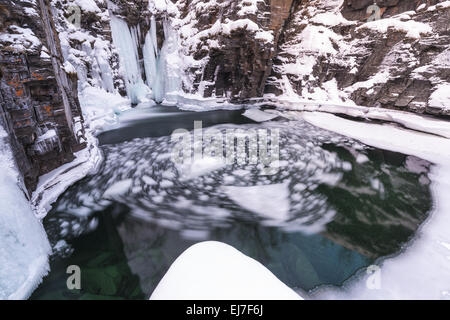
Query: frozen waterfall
{"points": [[161, 65], [126, 41], [154, 65]]}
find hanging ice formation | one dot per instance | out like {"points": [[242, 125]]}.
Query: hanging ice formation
{"points": [[161, 65], [126, 41]]}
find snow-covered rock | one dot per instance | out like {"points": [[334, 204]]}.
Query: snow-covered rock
{"points": [[213, 270], [386, 63]]}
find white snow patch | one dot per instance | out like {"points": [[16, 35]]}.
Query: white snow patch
{"points": [[20, 39], [24, 247], [214, 270], [440, 98], [88, 5], [413, 29]]}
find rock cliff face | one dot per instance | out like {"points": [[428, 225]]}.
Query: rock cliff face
{"points": [[237, 45], [395, 62], [38, 100], [317, 49]]}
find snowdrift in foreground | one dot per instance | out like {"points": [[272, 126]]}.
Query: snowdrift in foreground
{"points": [[24, 247], [422, 270], [213, 270]]}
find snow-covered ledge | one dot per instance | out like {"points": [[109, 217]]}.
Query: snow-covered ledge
{"points": [[216, 271], [407, 119], [99, 108], [54, 183]]}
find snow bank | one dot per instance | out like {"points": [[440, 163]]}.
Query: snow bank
{"points": [[214, 270], [440, 98], [422, 270], [426, 146], [406, 119], [101, 108], [24, 247]]}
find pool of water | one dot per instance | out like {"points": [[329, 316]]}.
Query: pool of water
{"points": [[332, 207]]}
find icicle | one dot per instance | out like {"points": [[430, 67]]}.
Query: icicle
{"points": [[126, 42], [47, 142], [152, 63], [171, 58], [161, 67]]}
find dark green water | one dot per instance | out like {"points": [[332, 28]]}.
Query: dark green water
{"points": [[349, 205]]}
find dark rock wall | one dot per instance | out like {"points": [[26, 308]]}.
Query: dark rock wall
{"points": [[36, 95], [405, 89], [239, 66]]}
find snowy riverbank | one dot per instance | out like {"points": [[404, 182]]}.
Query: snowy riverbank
{"points": [[24, 247], [421, 271]]}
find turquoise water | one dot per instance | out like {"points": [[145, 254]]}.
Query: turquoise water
{"points": [[355, 205]]}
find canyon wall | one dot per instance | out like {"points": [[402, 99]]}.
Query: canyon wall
{"points": [[323, 50], [38, 99], [399, 62]]}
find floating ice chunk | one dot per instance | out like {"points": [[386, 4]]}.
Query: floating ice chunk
{"points": [[228, 179], [258, 115], [166, 184], [148, 180], [270, 201], [214, 270], [200, 167], [329, 178], [241, 172], [347, 166], [117, 189], [361, 158]]}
